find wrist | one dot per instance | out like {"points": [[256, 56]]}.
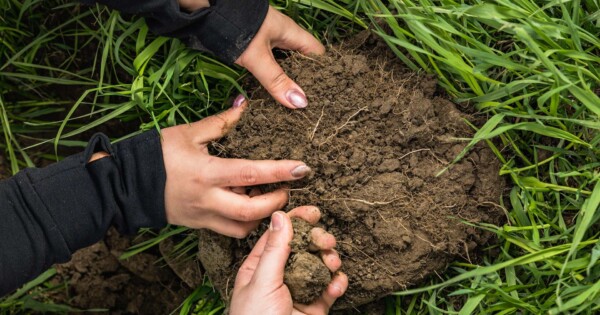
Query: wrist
{"points": [[193, 5], [97, 156]]}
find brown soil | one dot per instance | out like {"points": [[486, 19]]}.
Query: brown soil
{"points": [[376, 138], [305, 274], [97, 279]]}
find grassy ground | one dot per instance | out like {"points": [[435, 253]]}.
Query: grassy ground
{"points": [[530, 67]]}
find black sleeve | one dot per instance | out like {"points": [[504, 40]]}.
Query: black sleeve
{"points": [[225, 28], [47, 214]]}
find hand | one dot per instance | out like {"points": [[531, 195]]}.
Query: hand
{"points": [[259, 287], [282, 32], [204, 191]]}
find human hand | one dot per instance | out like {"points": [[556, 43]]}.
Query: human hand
{"points": [[259, 287], [279, 31], [204, 191]]}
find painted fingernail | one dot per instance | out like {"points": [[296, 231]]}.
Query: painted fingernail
{"points": [[297, 98], [276, 221], [239, 100], [301, 171]]}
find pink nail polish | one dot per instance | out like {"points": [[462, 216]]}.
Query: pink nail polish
{"points": [[297, 98], [301, 171], [239, 100]]}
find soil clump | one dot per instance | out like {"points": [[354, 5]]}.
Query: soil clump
{"points": [[305, 273], [98, 279], [376, 136]]}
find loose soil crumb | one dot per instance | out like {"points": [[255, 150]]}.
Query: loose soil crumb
{"points": [[376, 137]]}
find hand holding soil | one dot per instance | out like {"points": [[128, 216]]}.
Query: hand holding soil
{"points": [[261, 276], [376, 137], [204, 191]]}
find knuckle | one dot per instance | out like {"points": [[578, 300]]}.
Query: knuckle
{"points": [[209, 177], [248, 175], [281, 174], [272, 246], [244, 214], [239, 233], [279, 80]]}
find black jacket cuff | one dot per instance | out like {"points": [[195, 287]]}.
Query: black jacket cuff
{"points": [[125, 189], [224, 29], [49, 213]]}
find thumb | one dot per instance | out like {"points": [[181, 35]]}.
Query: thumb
{"points": [[216, 126], [271, 266]]}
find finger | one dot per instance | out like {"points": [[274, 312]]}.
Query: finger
{"points": [[239, 190], [309, 214], [259, 60], [270, 268], [244, 191], [216, 126], [248, 268], [255, 192], [296, 38], [240, 172], [336, 288], [320, 240], [245, 208], [228, 227], [332, 260]]}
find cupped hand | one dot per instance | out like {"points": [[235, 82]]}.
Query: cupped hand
{"points": [[205, 191], [278, 31], [259, 287]]}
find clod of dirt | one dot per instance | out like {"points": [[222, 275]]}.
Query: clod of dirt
{"points": [[301, 240], [306, 276], [376, 138]]}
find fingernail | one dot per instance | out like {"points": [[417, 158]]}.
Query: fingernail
{"points": [[297, 98], [301, 171], [239, 100], [276, 221]]}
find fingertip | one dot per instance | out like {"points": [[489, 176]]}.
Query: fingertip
{"points": [[301, 171], [310, 214], [338, 285], [280, 222], [321, 239], [239, 102], [317, 48], [296, 97], [276, 221], [331, 259]]}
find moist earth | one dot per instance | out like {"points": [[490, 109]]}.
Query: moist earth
{"points": [[378, 139], [98, 280]]}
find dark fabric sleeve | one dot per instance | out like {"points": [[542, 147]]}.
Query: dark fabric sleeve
{"points": [[225, 28], [47, 214]]}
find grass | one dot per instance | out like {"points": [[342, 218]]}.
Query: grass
{"points": [[531, 68]]}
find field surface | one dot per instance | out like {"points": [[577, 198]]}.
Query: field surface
{"points": [[527, 72]]}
